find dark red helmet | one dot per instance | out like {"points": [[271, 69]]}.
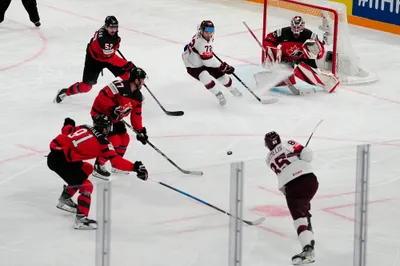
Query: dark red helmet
{"points": [[271, 140]]}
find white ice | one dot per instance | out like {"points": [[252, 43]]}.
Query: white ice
{"points": [[152, 225]]}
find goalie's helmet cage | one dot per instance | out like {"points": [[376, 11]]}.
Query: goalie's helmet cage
{"points": [[297, 25], [329, 21]]}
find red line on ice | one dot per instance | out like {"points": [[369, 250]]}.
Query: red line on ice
{"points": [[33, 57]]}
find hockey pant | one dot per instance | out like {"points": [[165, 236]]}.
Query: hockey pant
{"points": [[206, 74], [119, 138], [299, 193], [91, 72], [29, 5], [75, 174]]}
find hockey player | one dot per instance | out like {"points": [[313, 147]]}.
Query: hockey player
{"points": [[30, 7], [117, 100], [290, 161], [100, 54], [203, 66], [69, 150], [300, 48]]}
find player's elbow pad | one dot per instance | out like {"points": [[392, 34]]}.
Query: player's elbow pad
{"points": [[306, 154]]}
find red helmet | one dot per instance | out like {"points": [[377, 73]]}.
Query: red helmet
{"points": [[297, 24]]}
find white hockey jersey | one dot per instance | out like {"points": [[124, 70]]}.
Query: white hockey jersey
{"points": [[289, 160], [198, 53]]}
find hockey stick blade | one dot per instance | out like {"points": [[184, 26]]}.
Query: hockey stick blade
{"points": [[255, 222], [269, 100], [174, 113], [192, 172]]}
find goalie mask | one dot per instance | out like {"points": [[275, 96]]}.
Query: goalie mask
{"points": [[297, 25], [272, 139], [206, 29]]}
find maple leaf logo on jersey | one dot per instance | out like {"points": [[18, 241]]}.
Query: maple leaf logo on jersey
{"points": [[294, 51]]}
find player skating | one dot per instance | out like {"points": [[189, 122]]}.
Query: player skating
{"points": [[100, 54], [300, 48], [117, 100], [69, 150], [203, 66], [290, 161], [30, 7]]}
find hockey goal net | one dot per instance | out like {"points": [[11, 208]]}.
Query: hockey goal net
{"points": [[324, 18]]}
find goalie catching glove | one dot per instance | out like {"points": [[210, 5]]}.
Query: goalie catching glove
{"points": [[140, 170], [313, 49]]}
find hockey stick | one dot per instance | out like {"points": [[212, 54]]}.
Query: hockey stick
{"points": [[291, 87], [268, 100], [171, 113], [312, 133], [163, 155], [255, 222]]}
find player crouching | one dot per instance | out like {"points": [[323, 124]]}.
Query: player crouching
{"points": [[201, 64], [67, 154], [291, 163], [300, 48]]}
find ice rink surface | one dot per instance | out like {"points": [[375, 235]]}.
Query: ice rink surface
{"points": [[155, 226]]}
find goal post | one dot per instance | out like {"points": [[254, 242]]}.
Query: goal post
{"points": [[322, 17]]}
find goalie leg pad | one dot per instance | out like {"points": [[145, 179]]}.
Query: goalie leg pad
{"points": [[326, 81]]}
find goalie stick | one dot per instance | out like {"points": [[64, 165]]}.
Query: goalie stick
{"points": [[290, 85], [170, 113], [163, 155], [312, 133], [263, 100], [255, 222]]}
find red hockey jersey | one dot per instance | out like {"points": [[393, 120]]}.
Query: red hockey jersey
{"points": [[292, 46], [119, 94], [85, 143]]}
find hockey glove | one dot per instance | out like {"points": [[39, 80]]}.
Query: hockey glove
{"points": [[226, 69], [69, 121], [128, 66], [140, 170], [117, 113], [142, 136]]}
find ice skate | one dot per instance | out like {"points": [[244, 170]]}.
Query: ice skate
{"points": [[305, 257], [65, 202], [221, 98], [100, 171], [37, 24], [84, 223], [61, 94], [235, 91], [120, 172]]}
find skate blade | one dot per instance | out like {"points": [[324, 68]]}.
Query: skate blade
{"points": [[118, 172], [66, 208], [300, 261], [102, 177], [85, 227]]}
